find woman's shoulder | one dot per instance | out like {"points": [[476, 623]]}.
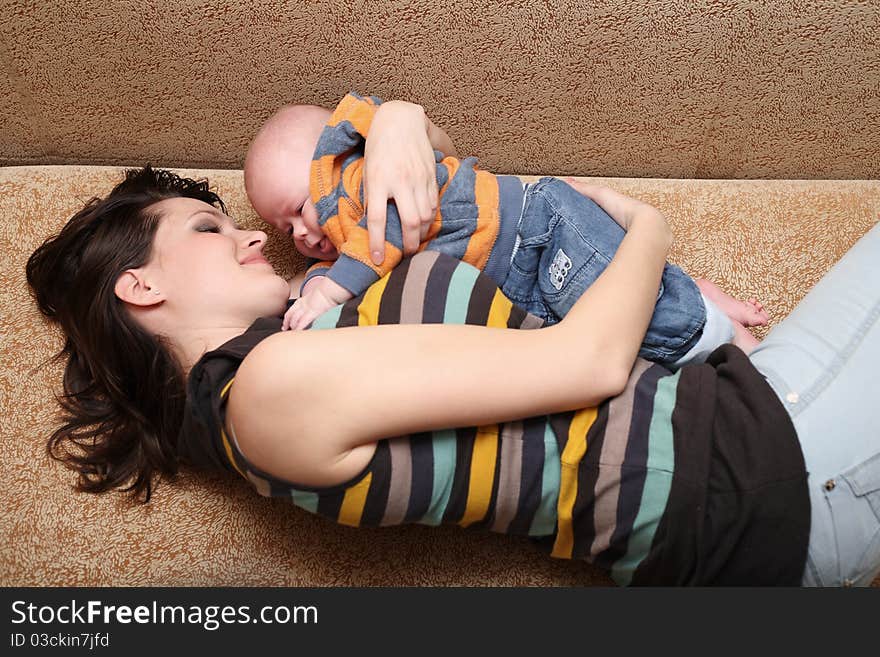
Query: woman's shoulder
{"points": [[200, 440], [217, 366]]}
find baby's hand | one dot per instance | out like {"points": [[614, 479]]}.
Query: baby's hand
{"points": [[320, 294], [301, 314]]}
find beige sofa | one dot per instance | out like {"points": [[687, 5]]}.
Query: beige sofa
{"points": [[753, 127]]}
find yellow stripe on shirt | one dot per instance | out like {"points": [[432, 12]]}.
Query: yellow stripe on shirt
{"points": [[499, 311], [482, 475], [368, 310], [575, 448], [227, 446], [353, 503]]}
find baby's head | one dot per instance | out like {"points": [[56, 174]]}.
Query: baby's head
{"points": [[276, 176]]}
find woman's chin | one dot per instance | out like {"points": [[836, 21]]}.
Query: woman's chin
{"points": [[276, 297]]}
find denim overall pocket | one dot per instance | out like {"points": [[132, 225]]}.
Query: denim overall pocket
{"points": [[569, 264], [521, 285]]}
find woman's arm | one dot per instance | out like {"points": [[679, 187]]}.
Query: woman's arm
{"points": [[310, 411], [399, 165], [440, 140]]}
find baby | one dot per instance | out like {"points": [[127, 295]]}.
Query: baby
{"points": [[543, 243]]}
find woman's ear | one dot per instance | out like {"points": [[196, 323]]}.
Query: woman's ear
{"points": [[132, 287]]}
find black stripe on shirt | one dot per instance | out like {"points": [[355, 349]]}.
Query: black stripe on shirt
{"points": [[633, 472], [480, 302], [583, 514], [389, 304], [377, 496], [465, 438], [437, 289], [422, 484]]}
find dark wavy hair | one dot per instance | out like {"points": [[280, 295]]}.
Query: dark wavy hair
{"points": [[124, 391]]}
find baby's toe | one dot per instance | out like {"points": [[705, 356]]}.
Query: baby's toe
{"points": [[755, 314]]}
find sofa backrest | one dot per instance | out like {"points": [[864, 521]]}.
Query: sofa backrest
{"points": [[638, 88]]}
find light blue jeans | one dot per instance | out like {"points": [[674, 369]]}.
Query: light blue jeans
{"points": [[823, 361]]}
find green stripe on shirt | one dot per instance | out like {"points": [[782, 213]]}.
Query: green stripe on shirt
{"points": [[658, 481]]}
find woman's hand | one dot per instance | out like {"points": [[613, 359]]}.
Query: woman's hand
{"points": [[623, 209], [399, 165]]}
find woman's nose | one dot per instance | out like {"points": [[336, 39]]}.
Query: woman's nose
{"points": [[256, 237]]}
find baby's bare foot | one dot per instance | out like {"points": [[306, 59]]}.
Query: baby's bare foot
{"points": [[743, 338], [747, 313]]}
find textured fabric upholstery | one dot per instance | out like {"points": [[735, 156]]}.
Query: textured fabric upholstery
{"points": [[770, 239]]}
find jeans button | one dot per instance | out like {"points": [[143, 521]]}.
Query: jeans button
{"points": [[829, 485]]}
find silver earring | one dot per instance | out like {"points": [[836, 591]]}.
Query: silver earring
{"points": [[156, 292]]}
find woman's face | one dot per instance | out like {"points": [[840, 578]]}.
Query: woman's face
{"points": [[208, 270]]}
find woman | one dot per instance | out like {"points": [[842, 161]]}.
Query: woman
{"points": [[694, 477]]}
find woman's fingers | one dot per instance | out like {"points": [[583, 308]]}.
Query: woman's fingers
{"points": [[585, 188], [433, 195], [429, 212], [412, 195], [425, 205], [399, 166], [377, 217], [415, 207], [410, 220], [620, 207], [377, 203]]}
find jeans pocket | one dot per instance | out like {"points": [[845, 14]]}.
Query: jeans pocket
{"points": [[869, 567], [527, 258], [864, 480], [859, 543]]}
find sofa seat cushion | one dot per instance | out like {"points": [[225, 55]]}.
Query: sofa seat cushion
{"points": [[768, 239]]}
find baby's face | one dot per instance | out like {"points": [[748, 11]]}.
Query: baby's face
{"points": [[277, 181], [307, 235], [294, 214]]}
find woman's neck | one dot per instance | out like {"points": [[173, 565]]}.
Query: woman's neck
{"points": [[190, 345]]}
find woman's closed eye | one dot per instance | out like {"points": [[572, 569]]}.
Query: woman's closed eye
{"points": [[208, 228]]}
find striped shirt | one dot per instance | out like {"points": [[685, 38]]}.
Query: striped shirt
{"points": [[602, 484], [476, 219]]}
